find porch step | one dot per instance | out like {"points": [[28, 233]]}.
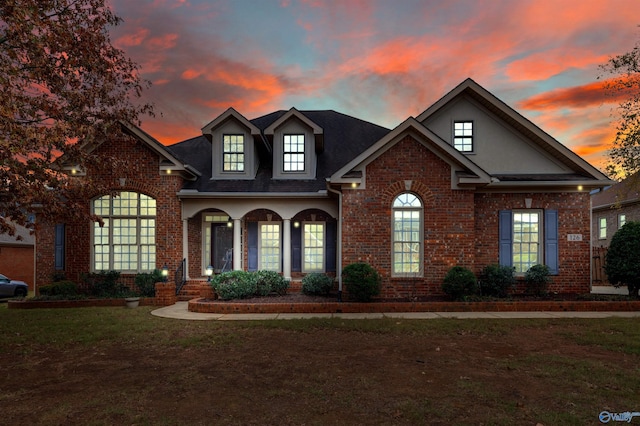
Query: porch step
{"points": [[190, 290]]}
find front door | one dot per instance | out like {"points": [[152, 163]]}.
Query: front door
{"points": [[222, 247]]}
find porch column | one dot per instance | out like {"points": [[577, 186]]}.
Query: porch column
{"points": [[237, 245], [185, 247], [286, 249]]}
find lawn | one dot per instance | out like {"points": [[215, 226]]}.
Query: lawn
{"points": [[99, 366]]}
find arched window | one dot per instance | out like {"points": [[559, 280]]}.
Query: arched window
{"points": [[127, 241], [407, 235]]}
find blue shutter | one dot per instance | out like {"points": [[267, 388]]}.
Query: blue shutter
{"points": [[252, 242], [296, 248], [331, 238], [551, 241], [59, 247], [505, 231]]}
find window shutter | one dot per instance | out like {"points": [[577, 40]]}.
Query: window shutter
{"points": [[59, 246], [551, 254], [331, 246], [505, 231], [296, 248], [252, 242]]}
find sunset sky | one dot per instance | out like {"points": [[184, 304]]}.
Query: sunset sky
{"points": [[381, 61]]}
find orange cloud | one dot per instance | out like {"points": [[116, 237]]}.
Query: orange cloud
{"points": [[574, 97], [543, 65], [132, 39]]}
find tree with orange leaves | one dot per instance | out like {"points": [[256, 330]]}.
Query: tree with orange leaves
{"points": [[63, 84], [625, 149]]}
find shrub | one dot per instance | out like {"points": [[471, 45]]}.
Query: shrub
{"points": [[536, 279], [270, 281], [146, 282], [459, 283], [104, 284], [621, 264], [316, 283], [234, 285], [496, 280], [362, 281], [59, 288]]}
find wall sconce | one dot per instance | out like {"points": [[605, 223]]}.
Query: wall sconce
{"points": [[209, 272], [165, 273], [230, 223], [296, 224]]}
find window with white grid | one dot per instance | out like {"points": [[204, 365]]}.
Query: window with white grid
{"points": [[270, 247], [407, 235], [463, 136], [233, 153], [293, 151], [527, 237], [313, 247]]}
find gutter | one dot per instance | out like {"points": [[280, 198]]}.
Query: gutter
{"points": [[338, 242]]}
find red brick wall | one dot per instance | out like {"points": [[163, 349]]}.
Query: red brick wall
{"points": [[631, 211], [140, 170], [17, 263], [460, 227]]}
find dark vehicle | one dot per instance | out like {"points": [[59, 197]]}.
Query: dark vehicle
{"points": [[12, 288]]}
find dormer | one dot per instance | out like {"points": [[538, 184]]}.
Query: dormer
{"points": [[233, 149], [296, 142]]}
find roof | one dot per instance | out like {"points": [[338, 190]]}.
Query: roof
{"points": [[626, 191], [26, 238], [344, 138]]}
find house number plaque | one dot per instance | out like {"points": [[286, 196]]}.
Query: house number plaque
{"points": [[574, 237]]}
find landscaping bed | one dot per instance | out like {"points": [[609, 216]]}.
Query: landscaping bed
{"points": [[78, 303]]}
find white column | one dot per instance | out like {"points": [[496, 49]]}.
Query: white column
{"points": [[286, 249], [237, 245], [185, 246]]}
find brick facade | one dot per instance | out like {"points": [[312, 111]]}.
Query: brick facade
{"points": [[460, 226], [140, 172], [16, 262]]}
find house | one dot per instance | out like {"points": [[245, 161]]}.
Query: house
{"points": [[613, 207], [468, 182], [17, 256]]}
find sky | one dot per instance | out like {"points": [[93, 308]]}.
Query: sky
{"points": [[378, 60]]}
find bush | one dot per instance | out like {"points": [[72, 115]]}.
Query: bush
{"points": [[59, 288], [105, 284], [621, 264], [235, 285], [146, 282], [270, 281], [362, 281], [459, 283], [536, 279], [317, 284], [496, 280]]}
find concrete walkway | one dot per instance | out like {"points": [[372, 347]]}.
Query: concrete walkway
{"points": [[180, 311]]}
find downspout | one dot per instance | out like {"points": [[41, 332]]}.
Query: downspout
{"points": [[338, 242]]}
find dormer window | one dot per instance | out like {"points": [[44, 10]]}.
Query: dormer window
{"points": [[233, 153], [293, 153], [463, 136]]}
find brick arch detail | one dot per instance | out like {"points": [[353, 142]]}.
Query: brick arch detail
{"points": [[417, 187]]}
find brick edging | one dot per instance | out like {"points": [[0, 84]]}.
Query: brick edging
{"points": [[202, 306]]}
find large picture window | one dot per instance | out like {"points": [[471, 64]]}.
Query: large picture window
{"points": [[407, 235], [127, 240]]}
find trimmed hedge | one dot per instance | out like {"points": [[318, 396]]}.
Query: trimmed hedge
{"points": [[317, 284], [460, 282], [362, 281]]}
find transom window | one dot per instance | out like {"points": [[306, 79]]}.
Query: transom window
{"points": [[270, 247], [127, 241], [527, 237], [293, 151], [233, 153], [463, 136], [407, 235], [313, 249]]}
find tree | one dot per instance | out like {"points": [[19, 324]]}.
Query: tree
{"points": [[63, 85], [622, 263], [625, 150]]}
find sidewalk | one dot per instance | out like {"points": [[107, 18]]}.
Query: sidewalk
{"points": [[180, 311]]}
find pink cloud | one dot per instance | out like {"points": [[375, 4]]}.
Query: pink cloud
{"points": [[543, 65]]}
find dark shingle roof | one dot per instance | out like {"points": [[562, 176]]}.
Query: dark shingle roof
{"points": [[345, 137]]}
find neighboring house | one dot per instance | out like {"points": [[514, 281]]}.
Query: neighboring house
{"points": [[17, 256], [613, 207], [468, 182]]}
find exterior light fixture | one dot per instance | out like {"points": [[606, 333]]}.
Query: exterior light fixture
{"points": [[579, 187], [354, 185], [165, 273], [230, 223], [168, 171], [296, 224], [209, 272]]}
